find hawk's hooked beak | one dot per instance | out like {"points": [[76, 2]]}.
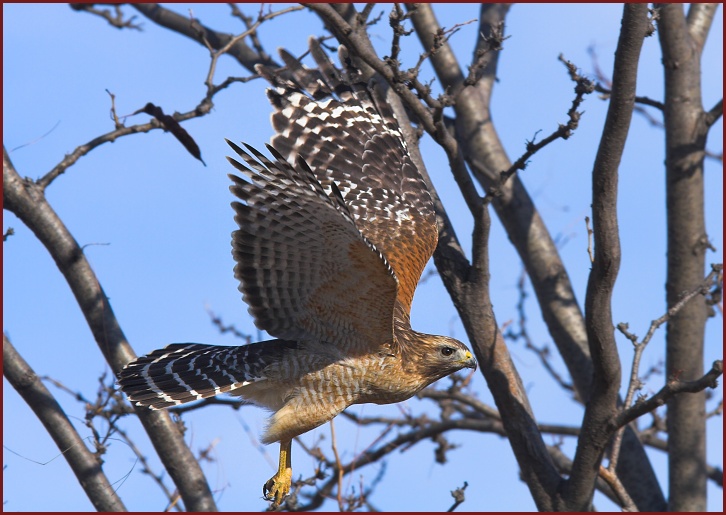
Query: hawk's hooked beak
{"points": [[469, 361]]}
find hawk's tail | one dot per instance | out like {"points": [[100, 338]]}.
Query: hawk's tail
{"points": [[185, 372]]}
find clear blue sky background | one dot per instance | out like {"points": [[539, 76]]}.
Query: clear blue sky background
{"points": [[156, 225]]}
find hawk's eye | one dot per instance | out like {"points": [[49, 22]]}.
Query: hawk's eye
{"points": [[447, 351]]}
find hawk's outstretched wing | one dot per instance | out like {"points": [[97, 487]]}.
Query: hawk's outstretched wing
{"points": [[306, 271], [354, 141]]}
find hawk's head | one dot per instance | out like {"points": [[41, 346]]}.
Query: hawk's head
{"points": [[439, 356]]}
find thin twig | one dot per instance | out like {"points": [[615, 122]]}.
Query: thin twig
{"points": [[672, 388], [36, 139], [338, 464], [640, 100], [203, 108], [366, 12], [458, 496], [395, 18], [589, 239], [604, 84], [542, 353], [626, 502], [84, 464], [234, 403], [115, 21], [483, 54], [80, 151], [114, 116], [146, 469], [583, 86], [217, 321]]}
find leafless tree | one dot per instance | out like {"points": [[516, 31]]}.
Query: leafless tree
{"points": [[610, 455]]}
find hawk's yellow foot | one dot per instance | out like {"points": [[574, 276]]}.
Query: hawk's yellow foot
{"points": [[278, 486]]}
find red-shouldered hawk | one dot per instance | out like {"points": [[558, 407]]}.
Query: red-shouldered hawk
{"points": [[329, 250]]}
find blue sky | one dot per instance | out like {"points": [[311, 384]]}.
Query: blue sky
{"points": [[156, 225]]}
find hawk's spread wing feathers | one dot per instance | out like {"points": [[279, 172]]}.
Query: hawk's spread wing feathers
{"points": [[306, 271], [356, 143]]}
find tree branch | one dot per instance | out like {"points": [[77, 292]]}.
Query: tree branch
{"points": [[583, 87], [554, 291], [115, 21], [672, 388], [376, 454], [487, 158], [25, 199], [218, 44], [80, 151], [85, 465], [598, 310], [192, 29], [700, 18], [687, 242], [638, 100], [635, 384], [458, 496], [714, 114]]}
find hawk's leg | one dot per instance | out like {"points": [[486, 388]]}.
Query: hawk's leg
{"points": [[278, 485]]}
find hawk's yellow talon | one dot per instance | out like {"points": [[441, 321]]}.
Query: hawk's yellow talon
{"points": [[278, 486]]}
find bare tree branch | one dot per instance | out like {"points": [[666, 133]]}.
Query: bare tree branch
{"points": [[672, 388], [218, 44], [85, 465], [543, 353], [524, 226], [338, 464], [638, 99], [192, 29], [700, 18], [635, 383], [583, 87], [115, 20], [715, 113], [80, 151], [598, 310], [25, 199], [376, 454], [618, 489], [146, 468], [487, 158], [458, 496], [687, 240]]}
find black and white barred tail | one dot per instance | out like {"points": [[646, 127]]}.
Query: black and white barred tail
{"points": [[185, 372]]}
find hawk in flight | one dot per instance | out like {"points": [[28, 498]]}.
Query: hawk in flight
{"points": [[334, 233]]}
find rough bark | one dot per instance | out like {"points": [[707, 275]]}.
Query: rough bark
{"points": [[685, 131]]}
